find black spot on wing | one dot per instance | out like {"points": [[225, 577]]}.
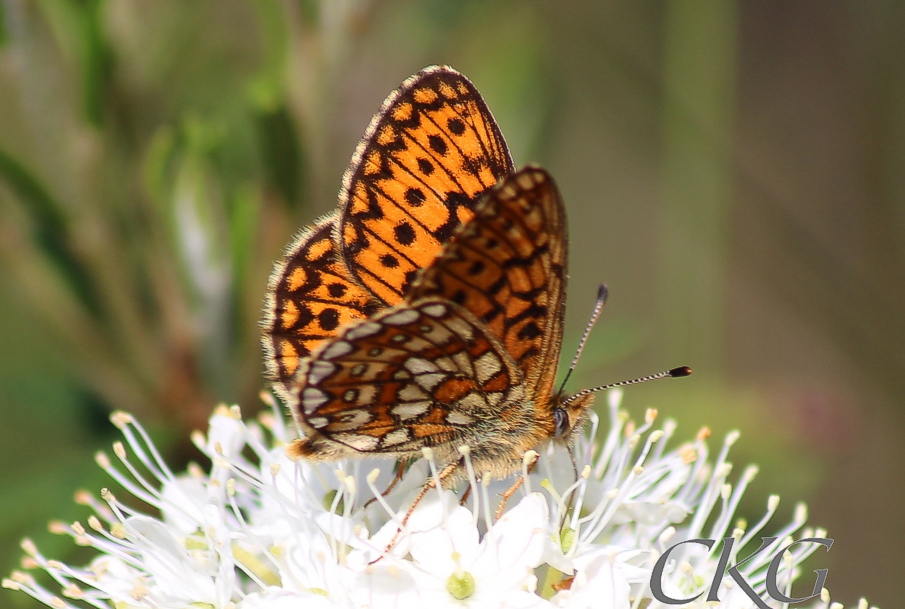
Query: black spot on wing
{"points": [[425, 166], [437, 144], [328, 319], [456, 126], [415, 197], [409, 279], [404, 233]]}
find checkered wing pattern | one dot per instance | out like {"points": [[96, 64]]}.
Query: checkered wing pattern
{"points": [[425, 374], [428, 311], [507, 268], [427, 157], [468, 358]]}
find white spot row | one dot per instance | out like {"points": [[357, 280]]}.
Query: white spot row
{"points": [[312, 399], [434, 310], [487, 366], [410, 410], [461, 328], [395, 437], [337, 349], [429, 381], [402, 318], [419, 365], [456, 417], [368, 328], [321, 369], [412, 393]]}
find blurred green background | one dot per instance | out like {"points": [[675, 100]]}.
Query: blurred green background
{"points": [[734, 171]]}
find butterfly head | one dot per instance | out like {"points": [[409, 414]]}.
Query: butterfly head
{"points": [[569, 415]]}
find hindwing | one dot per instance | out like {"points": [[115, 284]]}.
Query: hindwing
{"points": [[425, 374]]}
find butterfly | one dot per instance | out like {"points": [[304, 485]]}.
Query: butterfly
{"points": [[427, 311]]}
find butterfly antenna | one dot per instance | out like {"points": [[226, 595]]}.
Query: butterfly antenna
{"points": [[602, 294], [666, 374]]}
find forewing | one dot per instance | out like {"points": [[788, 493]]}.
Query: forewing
{"points": [[426, 158], [411, 376], [507, 268], [309, 298]]}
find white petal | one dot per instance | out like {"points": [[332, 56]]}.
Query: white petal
{"points": [[433, 549], [605, 587], [386, 587], [277, 598], [225, 435], [520, 535], [183, 499]]}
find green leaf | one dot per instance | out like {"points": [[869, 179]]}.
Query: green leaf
{"points": [[77, 27], [158, 162], [243, 226], [282, 155], [2, 26], [51, 231]]}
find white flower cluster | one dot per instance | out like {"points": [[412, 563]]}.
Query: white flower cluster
{"points": [[260, 531]]}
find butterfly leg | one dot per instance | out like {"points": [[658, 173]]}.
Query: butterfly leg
{"points": [[568, 510], [465, 496], [445, 473], [512, 489]]}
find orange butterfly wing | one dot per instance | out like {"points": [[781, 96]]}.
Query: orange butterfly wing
{"points": [[468, 358], [469, 276], [426, 158], [309, 298], [507, 268]]}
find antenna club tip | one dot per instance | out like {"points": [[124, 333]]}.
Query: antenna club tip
{"points": [[680, 372], [603, 292]]}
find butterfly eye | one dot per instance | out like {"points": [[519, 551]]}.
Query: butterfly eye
{"points": [[561, 419]]}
